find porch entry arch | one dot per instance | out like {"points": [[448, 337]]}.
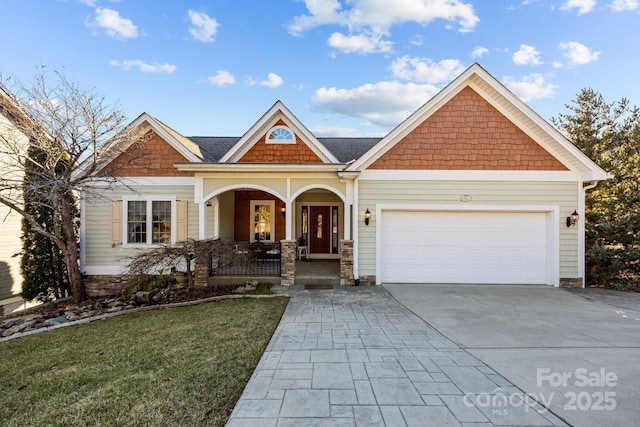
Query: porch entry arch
{"points": [[232, 187], [321, 219], [212, 200], [329, 188]]}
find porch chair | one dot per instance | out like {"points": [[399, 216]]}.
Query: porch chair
{"points": [[302, 248]]}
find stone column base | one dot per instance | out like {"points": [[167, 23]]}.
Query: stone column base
{"points": [[571, 282], [345, 249], [287, 262]]}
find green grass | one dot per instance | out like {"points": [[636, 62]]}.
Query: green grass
{"points": [[181, 366]]}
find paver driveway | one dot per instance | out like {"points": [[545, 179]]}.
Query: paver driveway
{"points": [[356, 357]]}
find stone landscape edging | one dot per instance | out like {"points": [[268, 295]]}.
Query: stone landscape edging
{"points": [[134, 310]]}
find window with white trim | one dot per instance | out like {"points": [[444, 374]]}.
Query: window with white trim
{"points": [[150, 221], [262, 220], [280, 135]]}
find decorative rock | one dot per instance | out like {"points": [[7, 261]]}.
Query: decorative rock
{"points": [[11, 322], [248, 287], [25, 325], [115, 302], [143, 297], [10, 331], [90, 313]]}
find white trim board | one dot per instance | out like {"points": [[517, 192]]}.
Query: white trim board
{"points": [[164, 181], [467, 175]]}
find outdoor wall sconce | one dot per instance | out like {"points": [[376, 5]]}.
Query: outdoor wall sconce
{"points": [[367, 217], [283, 211], [572, 219]]}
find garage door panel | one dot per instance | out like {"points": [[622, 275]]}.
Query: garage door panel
{"points": [[463, 247]]}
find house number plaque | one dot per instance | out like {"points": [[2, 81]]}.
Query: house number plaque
{"points": [[466, 198]]}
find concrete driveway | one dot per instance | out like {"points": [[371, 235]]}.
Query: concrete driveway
{"points": [[575, 351]]}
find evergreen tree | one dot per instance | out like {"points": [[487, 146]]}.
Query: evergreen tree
{"points": [[609, 133], [43, 268]]}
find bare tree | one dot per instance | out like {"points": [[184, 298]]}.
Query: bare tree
{"points": [[76, 133], [180, 256]]}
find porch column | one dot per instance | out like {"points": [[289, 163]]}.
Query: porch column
{"points": [[198, 189], [216, 217], [202, 220], [348, 210], [289, 220]]}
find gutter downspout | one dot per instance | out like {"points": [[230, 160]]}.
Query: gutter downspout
{"points": [[581, 232]]}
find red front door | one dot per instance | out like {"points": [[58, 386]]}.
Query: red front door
{"points": [[319, 237]]}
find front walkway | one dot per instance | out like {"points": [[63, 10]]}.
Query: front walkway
{"points": [[353, 356]]}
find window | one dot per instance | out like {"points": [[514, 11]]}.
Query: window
{"points": [[280, 135], [161, 221], [150, 221], [137, 222], [262, 220]]}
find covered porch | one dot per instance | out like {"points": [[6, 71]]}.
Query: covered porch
{"points": [[297, 218]]}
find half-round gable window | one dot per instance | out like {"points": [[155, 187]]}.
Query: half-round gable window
{"points": [[280, 135]]}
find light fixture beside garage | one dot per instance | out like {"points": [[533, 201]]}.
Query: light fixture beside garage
{"points": [[283, 211], [367, 216], [572, 219]]}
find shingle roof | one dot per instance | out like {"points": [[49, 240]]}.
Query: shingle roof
{"points": [[214, 147], [344, 149]]}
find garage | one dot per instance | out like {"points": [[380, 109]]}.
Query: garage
{"points": [[463, 247]]}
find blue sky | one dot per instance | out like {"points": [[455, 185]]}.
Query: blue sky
{"points": [[344, 67]]}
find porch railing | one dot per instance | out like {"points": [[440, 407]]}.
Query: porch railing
{"points": [[247, 259]]}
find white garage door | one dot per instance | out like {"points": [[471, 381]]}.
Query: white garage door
{"points": [[463, 247]]}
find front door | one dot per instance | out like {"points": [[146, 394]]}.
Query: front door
{"points": [[319, 237]]}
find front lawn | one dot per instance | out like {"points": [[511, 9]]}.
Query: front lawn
{"points": [[180, 366]]}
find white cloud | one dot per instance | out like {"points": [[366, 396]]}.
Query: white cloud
{"points": [[115, 25], [359, 43], [526, 55], [143, 66], [383, 104], [203, 27], [273, 81], [321, 12], [222, 78], [577, 53], [375, 18], [384, 14], [531, 87], [425, 70], [479, 52], [624, 5], [583, 6], [417, 40]]}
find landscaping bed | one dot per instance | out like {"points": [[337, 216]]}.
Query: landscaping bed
{"points": [[136, 295]]}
